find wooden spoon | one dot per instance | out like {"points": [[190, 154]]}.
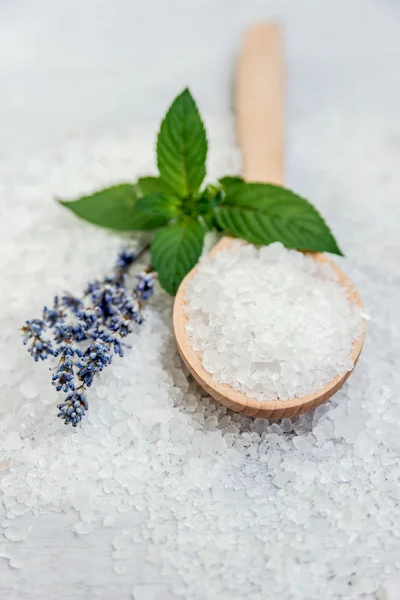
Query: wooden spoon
{"points": [[259, 114]]}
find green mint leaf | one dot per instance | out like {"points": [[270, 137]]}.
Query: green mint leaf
{"points": [[158, 205], [229, 181], [264, 213], [175, 250], [153, 185], [210, 220], [182, 146], [114, 208]]}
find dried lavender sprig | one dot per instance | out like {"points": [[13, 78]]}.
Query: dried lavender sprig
{"points": [[32, 336], [99, 322]]}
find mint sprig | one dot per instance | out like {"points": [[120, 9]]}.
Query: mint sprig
{"points": [[181, 211]]}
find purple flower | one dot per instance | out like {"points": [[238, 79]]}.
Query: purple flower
{"points": [[69, 301], [51, 316], [145, 286], [94, 359], [32, 336], [87, 318], [88, 331], [125, 259], [73, 409], [63, 378]]}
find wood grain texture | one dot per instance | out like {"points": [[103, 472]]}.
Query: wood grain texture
{"points": [[259, 104], [259, 116]]}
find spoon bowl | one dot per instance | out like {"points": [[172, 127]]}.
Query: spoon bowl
{"points": [[236, 400]]}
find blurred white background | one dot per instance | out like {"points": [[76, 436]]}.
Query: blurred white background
{"points": [[81, 65]]}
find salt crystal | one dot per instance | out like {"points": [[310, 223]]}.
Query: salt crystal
{"points": [[286, 425], [121, 567], [19, 509], [121, 540], [82, 527], [29, 389], [302, 445], [106, 414], [281, 478], [152, 592], [13, 441], [15, 562], [323, 431], [108, 521], [15, 534]]}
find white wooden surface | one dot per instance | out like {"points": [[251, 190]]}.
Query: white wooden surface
{"points": [[82, 66]]}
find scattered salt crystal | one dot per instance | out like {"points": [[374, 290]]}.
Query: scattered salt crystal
{"points": [[274, 428], [302, 445], [102, 391], [13, 441], [109, 521], [18, 509], [324, 430], [29, 389], [4, 553], [87, 516], [121, 567], [106, 414], [286, 425], [82, 527], [16, 562], [270, 322], [15, 534], [211, 423], [152, 592], [121, 540], [109, 485], [6, 523], [281, 479]]}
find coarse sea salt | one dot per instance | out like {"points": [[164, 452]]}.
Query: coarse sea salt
{"points": [[197, 486], [270, 322]]}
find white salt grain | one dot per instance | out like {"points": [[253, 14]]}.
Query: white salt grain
{"points": [[82, 527], [270, 322], [15, 534], [108, 521], [13, 441], [121, 540], [15, 562], [121, 567], [29, 390], [152, 592]]}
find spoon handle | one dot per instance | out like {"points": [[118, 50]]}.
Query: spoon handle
{"points": [[260, 103]]}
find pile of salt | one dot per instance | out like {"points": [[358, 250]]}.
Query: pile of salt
{"points": [[272, 323]]}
